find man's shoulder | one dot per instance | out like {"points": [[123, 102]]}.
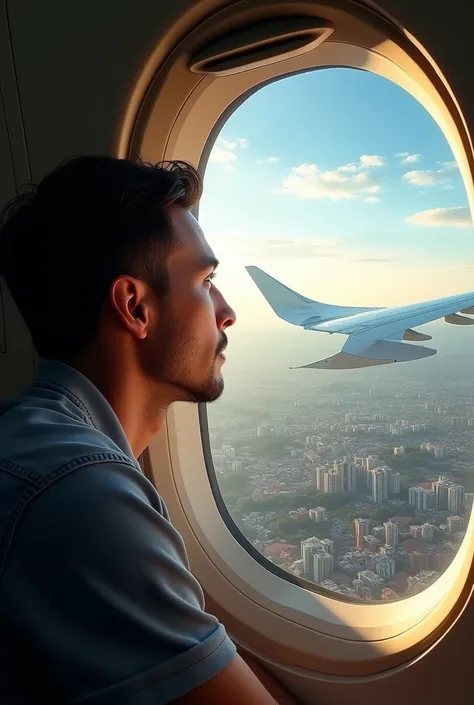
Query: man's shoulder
{"points": [[54, 459], [40, 436]]}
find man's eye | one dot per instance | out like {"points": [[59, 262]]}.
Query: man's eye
{"points": [[210, 277]]}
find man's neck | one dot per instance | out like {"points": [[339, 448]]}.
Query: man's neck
{"points": [[138, 406]]}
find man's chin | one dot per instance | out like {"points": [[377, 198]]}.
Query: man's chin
{"points": [[205, 394]]}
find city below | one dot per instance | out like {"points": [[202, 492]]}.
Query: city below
{"points": [[363, 485]]}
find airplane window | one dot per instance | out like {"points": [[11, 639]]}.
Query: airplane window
{"points": [[343, 445]]}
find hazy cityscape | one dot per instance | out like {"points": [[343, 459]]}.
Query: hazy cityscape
{"points": [[361, 481]]}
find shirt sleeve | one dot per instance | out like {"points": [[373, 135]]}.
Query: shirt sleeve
{"points": [[97, 583]]}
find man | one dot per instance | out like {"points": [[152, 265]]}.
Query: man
{"points": [[114, 279]]}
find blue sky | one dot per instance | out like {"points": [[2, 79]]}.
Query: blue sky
{"points": [[341, 184]]}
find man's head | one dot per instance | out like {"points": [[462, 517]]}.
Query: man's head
{"points": [[105, 253]]}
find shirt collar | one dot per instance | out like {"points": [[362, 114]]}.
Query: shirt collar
{"points": [[80, 391]]}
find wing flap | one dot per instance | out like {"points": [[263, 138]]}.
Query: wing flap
{"points": [[342, 361], [456, 320], [358, 352], [415, 335]]}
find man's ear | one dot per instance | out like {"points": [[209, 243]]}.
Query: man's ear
{"points": [[129, 298]]}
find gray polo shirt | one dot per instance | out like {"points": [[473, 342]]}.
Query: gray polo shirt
{"points": [[97, 604]]}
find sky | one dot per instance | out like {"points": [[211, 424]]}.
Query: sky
{"points": [[340, 184]]}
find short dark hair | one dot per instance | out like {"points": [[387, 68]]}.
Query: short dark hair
{"points": [[93, 218]]}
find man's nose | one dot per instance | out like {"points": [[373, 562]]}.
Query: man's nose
{"points": [[226, 315]]}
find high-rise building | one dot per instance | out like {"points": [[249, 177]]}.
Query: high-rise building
{"points": [[386, 474], [229, 452], [455, 524], [421, 498], [459, 421], [413, 496], [331, 482], [373, 581], [455, 498], [438, 451], [350, 477], [468, 500], [263, 430], [383, 566], [318, 558], [308, 548], [440, 489], [361, 528], [328, 546], [362, 590], [323, 566], [379, 532], [320, 472], [361, 475], [347, 475], [394, 483], [371, 462], [237, 466], [419, 561], [391, 533], [318, 514], [427, 531], [379, 485], [416, 531]]}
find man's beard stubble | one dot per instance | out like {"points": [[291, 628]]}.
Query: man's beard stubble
{"points": [[172, 358]]}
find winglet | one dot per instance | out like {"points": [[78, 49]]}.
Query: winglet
{"points": [[286, 303]]}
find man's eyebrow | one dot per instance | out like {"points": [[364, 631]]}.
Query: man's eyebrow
{"points": [[208, 263]]}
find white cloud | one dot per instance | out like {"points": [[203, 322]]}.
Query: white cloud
{"points": [[260, 248], [224, 152], [373, 259], [411, 159], [458, 217], [368, 160], [269, 160], [233, 144], [219, 155], [372, 199], [348, 167], [272, 247], [430, 177], [308, 181], [407, 158], [427, 177]]}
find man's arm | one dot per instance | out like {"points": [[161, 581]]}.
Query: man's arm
{"points": [[96, 583], [235, 685]]}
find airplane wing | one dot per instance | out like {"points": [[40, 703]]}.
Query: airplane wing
{"points": [[375, 334]]}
